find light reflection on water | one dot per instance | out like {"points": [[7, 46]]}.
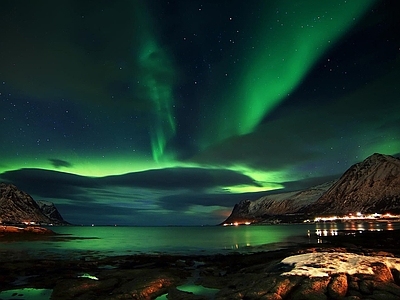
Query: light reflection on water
{"points": [[333, 228], [109, 240]]}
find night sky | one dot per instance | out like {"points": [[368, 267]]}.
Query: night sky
{"points": [[169, 112]]}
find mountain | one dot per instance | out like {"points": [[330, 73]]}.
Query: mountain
{"points": [[50, 210], [369, 186], [18, 207], [268, 207]]}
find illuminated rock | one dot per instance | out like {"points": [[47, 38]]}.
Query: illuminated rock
{"points": [[337, 287], [312, 288]]}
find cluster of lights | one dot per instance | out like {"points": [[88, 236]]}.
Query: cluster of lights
{"points": [[357, 216], [237, 224], [29, 223]]}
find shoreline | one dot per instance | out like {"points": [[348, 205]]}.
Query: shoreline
{"points": [[24, 232], [233, 276]]}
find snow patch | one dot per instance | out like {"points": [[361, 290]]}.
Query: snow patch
{"points": [[324, 264]]}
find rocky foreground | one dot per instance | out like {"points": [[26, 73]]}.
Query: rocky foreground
{"points": [[345, 267]]}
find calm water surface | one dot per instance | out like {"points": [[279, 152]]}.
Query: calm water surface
{"points": [[107, 240]]}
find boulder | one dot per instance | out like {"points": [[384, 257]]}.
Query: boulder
{"points": [[312, 288], [147, 286], [271, 296], [337, 287], [285, 285], [388, 287], [81, 287], [366, 287], [382, 272]]}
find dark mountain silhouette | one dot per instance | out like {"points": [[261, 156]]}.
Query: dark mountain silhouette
{"points": [[17, 207]]}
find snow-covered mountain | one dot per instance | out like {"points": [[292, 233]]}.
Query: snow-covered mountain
{"points": [[18, 207], [269, 206], [370, 186]]}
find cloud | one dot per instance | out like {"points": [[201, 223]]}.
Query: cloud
{"points": [[59, 163], [274, 145], [180, 178], [55, 184], [49, 184], [133, 198], [183, 202], [158, 195], [173, 188]]}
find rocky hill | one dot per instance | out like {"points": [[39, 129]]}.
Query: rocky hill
{"points": [[267, 207], [50, 210], [370, 186], [18, 207]]}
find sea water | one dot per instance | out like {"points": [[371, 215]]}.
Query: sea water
{"points": [[100, 241], [117, 240]]}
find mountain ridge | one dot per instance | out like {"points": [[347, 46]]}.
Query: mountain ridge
{"points": [[370, 186], [17, 207]]}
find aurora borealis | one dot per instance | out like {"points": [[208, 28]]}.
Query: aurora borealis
{"points": [[170, 112]]}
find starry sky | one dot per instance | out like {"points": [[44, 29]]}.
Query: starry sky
{"points": [[169, 112]]}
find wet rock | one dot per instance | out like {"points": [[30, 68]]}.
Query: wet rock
{"points": [[250, 277], [229, 295], [381, 295], [381, 253], [366, 287], [396, 276], [259, 286], [388, 287], [284, 285], [270, 296], [353, 282], [257, 289], [312, 288], [210, 271], [382, 272], [214, 282], [337, 287], [148, 286], [356, 294], [81, 287]]}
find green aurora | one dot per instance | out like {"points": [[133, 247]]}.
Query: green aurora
{"points": [[291, 39], [157, 76]]}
